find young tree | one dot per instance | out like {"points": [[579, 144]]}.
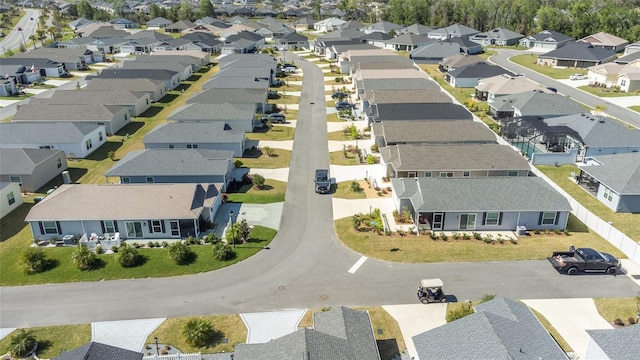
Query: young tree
{"points": [[244, 229], [83, 258], [258, 181], [206, 9], [21, 343], [180, 253], [232, 235], [223, 252], [198, 332], [33, 260]]}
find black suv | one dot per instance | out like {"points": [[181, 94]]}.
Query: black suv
{"points": [[322, 180], [339, 95]]}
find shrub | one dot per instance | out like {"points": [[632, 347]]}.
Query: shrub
{"points": [[165, 244], [371, 159], [401, 232], [433, 236], [223, 252], [157, 244], [455, 235], [21, 343], [111, 155], [268, 150], [258, 181], [380, 193], [355, 186], [443, 236], [618, 322], [128, 256], [477, 236], [537, 232], [180, 253], [211, 239], [557, 232], [374, 148], [631, 320], [33, 261], [99, 249], [237, 164], [150, 244], [83, 258], [513, 241], [466, 236], [114, 249], [487, 297], [198, 332], [459, 312]]}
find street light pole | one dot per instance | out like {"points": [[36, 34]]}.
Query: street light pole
{"points": [[24, 42], [157, 347], [233, 234]]}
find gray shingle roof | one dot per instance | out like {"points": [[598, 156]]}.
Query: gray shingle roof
{"points": [[598, 131], [549, 36], [437, 50], [620, 172], [67, 112], [470, 157], [157, 74], [500, 329], [477, 70], [236, 82], [97, 351], [455, 30], [24, 161], [407, 96], [111, 97], [619, 344], [512, 193], [213, 112], [193, 133], [136, 84], [173, 162], [217, 96], [390, 84], [498, 34], [45, 133], [434, 132], [537, 103], [124, 202], [410, 39], [420, 111], [579, 51]]}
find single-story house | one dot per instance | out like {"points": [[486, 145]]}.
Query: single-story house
{"points": [[158, 23], [382, 27], [417, 111], [380, 96], [434, 53], [407, 42], [220, 96], [113, 117], [497, 37], [208, 43], [452, 31], [457, 61], [10, 197], [395, 84], [469, 160], [504, 84], [171, 78], [179, 26], [196, 135], [237, 82], [136, 101], [629, 77], [31, 168], [184, 70], [483, 203], [466, 46], [614, 180], [73, 59], [605, 74], [156, 89], [27, 71], [306, 23], [469, 76], [337, 334], [613, 344], [417, 29], [631, 48], [179, 44], [606, 41], [98, 351], [533, 103], [329, 24], [134, 211], [499, 329], [292, 41], [239, 116], [377, 39], [576, 55], [390, 133], [70, 137], [122, 23], [545, 40]]}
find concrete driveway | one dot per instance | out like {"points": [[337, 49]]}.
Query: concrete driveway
{"points": [[265, 326], [415, 319], [127, 334], [267, 215], [571, 317]]}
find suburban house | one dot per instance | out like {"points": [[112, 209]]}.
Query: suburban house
{"points": [[417, 29], [629, 77], [77, 140], [27, 71], [220, 96], [136, 101], [292, 41], [614, 180], [390, 133], [31, 168], [113, 117], [497, 37], [451, 31], [456, 61], [186, 165], [179, 26], [73, 59], [395, 84], [533, 103], [481, 203], [377, 39], [98, 351], [613, 344], [171, 78], [337, 334], [417, 111], [605, 74], [156, 89], [8, 86], [328, 24], [545, 40], [306, 23], [499, 329], [196, 135], [504, 84], [576, 55], [385, 62], [469, 160], [122, 23], [10, 197], [468, 76], [627, 58], [158, 23], [239, 116], [606, 41], [407, 42], [376, 96], [434, 53], [183, 69], [133, 211], [239, 81], [382, 27], [206, 42], [466, 46]]}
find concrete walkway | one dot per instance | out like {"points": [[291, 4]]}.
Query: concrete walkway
{"points": [[265, 326], [4, 332], [571, 317], [281, 174], [415, 319], [344, 207], [357, 172], [282, 144], [130, 334], [267, 215]]}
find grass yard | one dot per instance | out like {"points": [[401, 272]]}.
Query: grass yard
{"points": [[19, 97], [625, 222], [337, 158], [343, 190], [618, 308], [335, 118], [421, 249], [635, 108], [16, 238], [606, 92], [339, 136], [277, 132], [289, 114], [390, 342], [332, 81], [230, 326], [552, 331], [279, 159], [284, 99], [461, 94], [272, 191], [529, 61], [52, 340], [287, 87]]}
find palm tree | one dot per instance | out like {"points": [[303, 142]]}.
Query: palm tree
{"points": [[42, 35], [128, 256], [52, 31], [599, 109], [34, 39], [83, 258], [22, 343], [198, 332], [33, 260]]}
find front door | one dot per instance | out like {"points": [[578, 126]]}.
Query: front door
{"points": [[467, 221], [436, 224], [134, 229]]}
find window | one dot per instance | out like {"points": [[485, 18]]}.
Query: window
{"points": [[427, 174], [175, 228], [134, 229], [59, 163], [512, 173], [623, 82], [171, 146], [50, 227], [192, 146], [492, 218], [15, 179], [10, 198], [446, 174], [125, 180], [465, 174], [156, 226], [100, 135], [48, 147], [88, 144], [608, 194], [548, 218], [149, 180], [109, 226], [411, 174]]}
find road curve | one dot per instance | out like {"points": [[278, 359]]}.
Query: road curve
{"points": [[15, 38], [305, 267]]}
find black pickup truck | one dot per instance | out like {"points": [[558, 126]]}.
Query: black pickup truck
{"points": [[584, 260]]}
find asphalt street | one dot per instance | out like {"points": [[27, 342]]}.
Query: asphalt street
{"points": [[15, 38], [305, 267], [616, 111]]}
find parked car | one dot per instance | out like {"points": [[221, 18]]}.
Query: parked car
{"points": [[552, 89], [340, 105], [577, 77], [339, 95], [275, 118], [430, 290], [285, 65], [584, 260], [322, 181]]}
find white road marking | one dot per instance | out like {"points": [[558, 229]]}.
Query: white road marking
{"points": [[357, 265]]}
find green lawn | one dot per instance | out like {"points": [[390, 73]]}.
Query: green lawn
{"points": [[339, 136], [635, 108], [16, 237], [287, 87], [20, 97], [343, 191], [606, 92], [334, 118], [463, 95], [273, 191], [337, 158], [421, 249], [552, 331], [618, 308], [289, 114], [277, 132], [625, 222], [279, 159], [52, 340], [529, 61], [284, 99]]}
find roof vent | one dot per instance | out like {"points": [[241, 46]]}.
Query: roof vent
{"points": [[601, 121]]}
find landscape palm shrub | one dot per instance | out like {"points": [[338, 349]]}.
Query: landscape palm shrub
{"points": [[180, 253], [83, 258], [198, 332], [128, 256], [21, 343], [223, 252], [33, 261]]}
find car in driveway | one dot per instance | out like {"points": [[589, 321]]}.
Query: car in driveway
{"points": [[275, 118], [341, 105], [339, 95], [578, 77]]}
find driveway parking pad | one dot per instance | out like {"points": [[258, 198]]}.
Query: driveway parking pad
{"points": [[415, 319], [128, 334], [265, 326]]}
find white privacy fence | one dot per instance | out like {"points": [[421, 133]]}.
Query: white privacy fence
{"points": [[628, 246]]}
